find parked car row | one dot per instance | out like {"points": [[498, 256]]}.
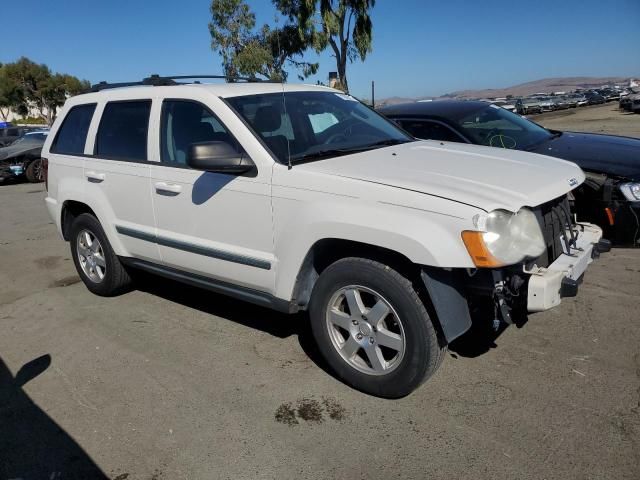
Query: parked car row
{"points": [[610, 196]]}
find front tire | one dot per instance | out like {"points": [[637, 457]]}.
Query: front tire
{"points": [[373, 329], [96, 262]]}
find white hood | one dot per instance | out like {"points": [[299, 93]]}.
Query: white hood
{"points": [[484, 177]]}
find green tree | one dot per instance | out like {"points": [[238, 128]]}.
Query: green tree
{"points": [[36, 88], [231, 25], [11, 95], [249, 53], [343, 25]]}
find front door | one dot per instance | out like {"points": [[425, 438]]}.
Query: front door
{"points": [[212, 224]]}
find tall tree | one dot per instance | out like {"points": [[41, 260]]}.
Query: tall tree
{"points": [[231, 25], [38, 89], [11, 95], [249, 53], [343, 25]]}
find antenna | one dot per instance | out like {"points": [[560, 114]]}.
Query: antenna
{"points": [[284, 102]]}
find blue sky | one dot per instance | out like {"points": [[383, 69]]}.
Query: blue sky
{"points": [[421, 47]]}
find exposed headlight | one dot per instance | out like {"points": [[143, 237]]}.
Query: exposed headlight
{"points": [[504, 238], [631, 191]]}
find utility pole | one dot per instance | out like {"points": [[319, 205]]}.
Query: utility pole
{"points": [[373, 94]]}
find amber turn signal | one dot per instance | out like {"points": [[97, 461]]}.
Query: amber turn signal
{"points": [[478, 250]]}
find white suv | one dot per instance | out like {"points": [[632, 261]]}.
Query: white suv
{"points": [[299, 197]]}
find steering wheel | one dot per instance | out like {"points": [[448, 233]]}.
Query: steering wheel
{"points": [[502, 141], [337, 138]]}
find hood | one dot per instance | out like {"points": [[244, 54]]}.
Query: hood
{"points": [[615, 156], [22, 148], [483, 177]]}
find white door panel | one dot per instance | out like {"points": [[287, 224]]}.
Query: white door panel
{"points": [[124, 188], [215, 225]]}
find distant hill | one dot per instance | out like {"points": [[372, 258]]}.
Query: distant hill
{"points": [[546, 85]]}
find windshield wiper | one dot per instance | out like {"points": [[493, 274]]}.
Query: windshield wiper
{"points": [[336, 152]]}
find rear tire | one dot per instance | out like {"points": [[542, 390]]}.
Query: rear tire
{"points": [[373, 329], [97, 264]]}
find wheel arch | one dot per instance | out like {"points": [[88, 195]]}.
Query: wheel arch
{"points": [[441, 290], [329, 250], [71, 209]]}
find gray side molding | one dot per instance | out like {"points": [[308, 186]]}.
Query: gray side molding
{"points": [[446, 289]]}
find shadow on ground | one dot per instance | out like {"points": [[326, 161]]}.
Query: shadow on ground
{"points": [[274, 323], [32, 445], [481, 337]]}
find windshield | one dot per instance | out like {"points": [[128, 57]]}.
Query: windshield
{"points": [[313, 125], [497, 127]]}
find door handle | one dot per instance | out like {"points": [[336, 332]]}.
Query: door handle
{"points": [[165, 187], [95, 177]]}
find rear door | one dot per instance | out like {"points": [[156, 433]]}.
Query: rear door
{"points": [[117, 176]]}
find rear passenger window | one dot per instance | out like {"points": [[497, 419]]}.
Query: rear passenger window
{"points": [[73, 133], [122, 134]]}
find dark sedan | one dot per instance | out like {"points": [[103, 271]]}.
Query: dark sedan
{"points": [[610, 197], [22, 158]]}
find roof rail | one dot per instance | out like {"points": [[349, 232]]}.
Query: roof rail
{"points": [[156, 80]]}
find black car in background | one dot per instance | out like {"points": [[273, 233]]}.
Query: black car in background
{"points": [[610, 197], [22, 158], [594, 98], [10, 133]]}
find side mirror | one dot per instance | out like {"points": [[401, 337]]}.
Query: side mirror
{"points": [[219, 157]]}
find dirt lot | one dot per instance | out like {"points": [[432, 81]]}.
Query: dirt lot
{"points": [[604, 118], [171, 382]]}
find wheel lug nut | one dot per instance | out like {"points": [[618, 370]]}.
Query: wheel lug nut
{"points": [[372, 340], [359, 336], [364, 317], [354, 321]]}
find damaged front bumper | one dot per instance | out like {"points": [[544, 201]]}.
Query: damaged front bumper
{"points": [[547, 286]]}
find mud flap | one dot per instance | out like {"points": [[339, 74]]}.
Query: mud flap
{"points": [[446, 289]]}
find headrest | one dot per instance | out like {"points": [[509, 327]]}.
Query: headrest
{"points": [[267, 119]]}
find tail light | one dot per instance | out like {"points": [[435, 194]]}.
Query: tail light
{"points": [[45, 172]]}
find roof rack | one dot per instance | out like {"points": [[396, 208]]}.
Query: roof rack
{"points": [[156, 80]]}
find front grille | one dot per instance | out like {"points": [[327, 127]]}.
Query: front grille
{"points": [[556, 223]]}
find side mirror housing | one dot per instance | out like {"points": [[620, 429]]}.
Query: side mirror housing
{"points": [[219, 157]]}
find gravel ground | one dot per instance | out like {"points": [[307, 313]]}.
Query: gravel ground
{"points": [[606, 118], [172, 382]]}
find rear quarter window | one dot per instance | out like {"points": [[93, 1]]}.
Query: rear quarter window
{"points": [[73, 132]]}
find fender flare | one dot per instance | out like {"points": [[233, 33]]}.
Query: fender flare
{"points": [[447, 293]]}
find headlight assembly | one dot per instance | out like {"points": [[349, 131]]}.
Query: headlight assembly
{"points": [[631, 191], [504, 238]]}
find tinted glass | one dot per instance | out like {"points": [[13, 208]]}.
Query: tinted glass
{"points": [[184, 123], [313, 125], [122, 134], [73, 132], [430, 130], [496, 127]]}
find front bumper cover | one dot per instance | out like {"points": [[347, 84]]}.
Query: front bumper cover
{"points": [[548, 285]]}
